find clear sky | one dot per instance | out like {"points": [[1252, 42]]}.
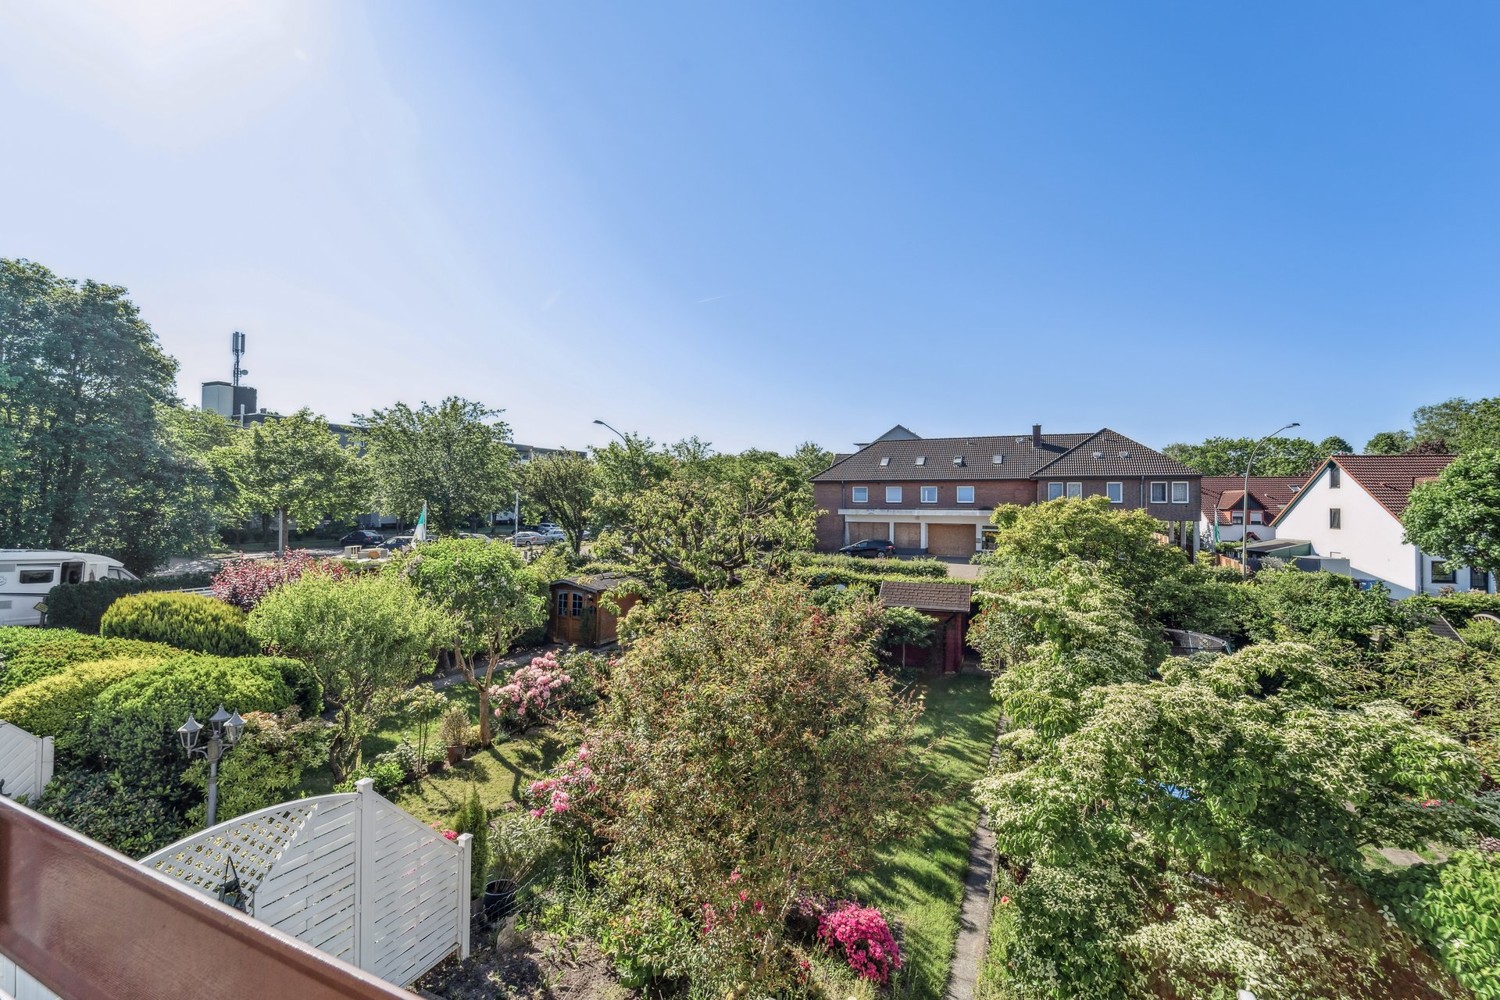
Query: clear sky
{"points": [[769, 222]]}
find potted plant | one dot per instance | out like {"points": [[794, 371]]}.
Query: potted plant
{"points": [[520, 845], [453, 731]]}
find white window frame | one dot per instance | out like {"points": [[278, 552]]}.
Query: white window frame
{"points": [[859, 494], [1055, 491], [960, 494], [1075, 491], [1187, 491], [893, 494], [1163, 484], [1236, 517], [1256, 517], [1115, 492], [922, 493]]}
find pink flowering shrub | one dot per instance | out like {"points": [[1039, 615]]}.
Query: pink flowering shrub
{"points": [[866, 939], [244, 583], [569, 782], [534, 693], [447, 834]]}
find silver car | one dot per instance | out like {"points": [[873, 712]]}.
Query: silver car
{"points": [[525, 539]]}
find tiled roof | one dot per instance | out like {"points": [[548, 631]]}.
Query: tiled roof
{"points": [[1222, 494], [925, 596], [897, 460], [1390, 478], [597, 583], [1110, 453]]}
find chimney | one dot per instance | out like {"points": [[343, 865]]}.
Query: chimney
{"points": [[1036, 435]]}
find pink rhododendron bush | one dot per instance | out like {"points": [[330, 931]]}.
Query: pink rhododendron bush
{"points": [[861, 934], [749, 753], [245, 582], [534, 694]]}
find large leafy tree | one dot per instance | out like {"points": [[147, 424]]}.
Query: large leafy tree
{"points": [[295, 468], [1281, 456], [367, 638], [1462, 425], [452, 457], [563, 485], [491, 595], [1457, 516], [1389, 443], [750, 752], [85, 460]]}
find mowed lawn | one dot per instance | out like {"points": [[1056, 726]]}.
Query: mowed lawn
{"points": [[918, 881]]}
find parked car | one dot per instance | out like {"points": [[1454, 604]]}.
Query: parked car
{"points": [[553, 533], [364, 537], [874, 548], [472, 535], [397, 542], [522, 539]]}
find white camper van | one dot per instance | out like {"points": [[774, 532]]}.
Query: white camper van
{"points": [[27, 574]]}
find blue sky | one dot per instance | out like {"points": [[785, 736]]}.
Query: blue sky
{"points": [[771, 222]]}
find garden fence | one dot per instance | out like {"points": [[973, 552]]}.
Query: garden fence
{"points": [[351, 874], [25, 762]]}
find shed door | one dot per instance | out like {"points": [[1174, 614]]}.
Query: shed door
{"points": [[950, 539]]}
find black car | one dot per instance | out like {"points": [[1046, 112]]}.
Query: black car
{"points": [[875, 548], [368, 539]]}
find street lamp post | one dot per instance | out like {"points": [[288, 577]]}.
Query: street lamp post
{"points": [[622, 437], [224, 732], [1245, 500]]}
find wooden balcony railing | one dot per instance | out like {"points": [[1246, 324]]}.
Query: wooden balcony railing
{"points": [[87, 922]]}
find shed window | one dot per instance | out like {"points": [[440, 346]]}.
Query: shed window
{"points": [[562, 604], [929, 494], [577, 604], [965, 494], [35, 576], [861, 494], [1115, 492], [1158, 492]]}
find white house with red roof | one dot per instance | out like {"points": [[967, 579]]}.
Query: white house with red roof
{"points": [[1349, 516], [1222, 507]]}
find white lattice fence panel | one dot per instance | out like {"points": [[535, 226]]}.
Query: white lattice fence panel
{"points": [[311, 892], [416, 896], [25, 762], [15, 982]]}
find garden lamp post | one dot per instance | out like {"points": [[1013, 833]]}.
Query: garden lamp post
{"points": [[224, 732], [1245, 500], [617, 433]]}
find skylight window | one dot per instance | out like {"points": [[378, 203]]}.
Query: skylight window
{"points": [[885, 461], [997, 459], [921, 459]]}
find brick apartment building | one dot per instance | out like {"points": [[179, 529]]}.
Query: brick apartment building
{"points": [[936, 495]]}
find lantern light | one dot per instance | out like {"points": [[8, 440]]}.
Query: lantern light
{"points": [[188, 732]]}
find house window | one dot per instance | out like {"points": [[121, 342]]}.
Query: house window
{"points": [[929, 494], [966, 494], [577, 604], [893, 494], [1335, 517], [1075, 489], [1054, 490], [35, 576], [1180, 492], [1443, 571], [860, 494], [562, 605], [1115, 492], [1236, 517], [1256, 517], [1158, 492], [1334, 477]]}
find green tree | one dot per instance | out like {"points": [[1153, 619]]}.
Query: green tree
{"points": [[748, 746], [1457, 516], [1281, 456], [562, 485], [453, 457], [295, 468], [811, 458], [85, 461], [1389, 443], [1326, 606], [1461, 425], [490, 594], [367, 638], [903, 627]]}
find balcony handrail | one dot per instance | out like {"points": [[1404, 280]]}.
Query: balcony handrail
{"points": [[88, 922]]}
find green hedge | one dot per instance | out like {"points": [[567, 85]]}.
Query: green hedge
{"points": [[31, 664], [81, 605], [889, 568], [187, 621], [57, 706], [827, 576], [1459, 609], [14, 638]]}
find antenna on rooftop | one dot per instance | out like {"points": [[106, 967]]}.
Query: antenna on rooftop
{"points": [[237, 345]]}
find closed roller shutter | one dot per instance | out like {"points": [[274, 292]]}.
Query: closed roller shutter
{"points": [[908, 536]]}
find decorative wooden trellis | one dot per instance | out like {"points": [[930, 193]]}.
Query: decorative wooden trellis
{"points": [[25, 762], [350, 874]]}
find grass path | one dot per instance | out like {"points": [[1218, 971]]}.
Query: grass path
{"points": [[919, 881]]}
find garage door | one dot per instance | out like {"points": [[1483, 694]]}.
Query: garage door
{"points": [[950, 539], [908, 536], [859, 532]]}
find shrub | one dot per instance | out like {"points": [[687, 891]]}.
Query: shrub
{"points": [[14, 638], [29, 665], [865, 938], [243, 583], [520, 846], [387, 775], [54, 706], [266, 766], [1456, 908], [453, 731], [81, 605], [472, 818], [187, 621], [534, 693], [102, 807], [933, 569], [1459, 608]]}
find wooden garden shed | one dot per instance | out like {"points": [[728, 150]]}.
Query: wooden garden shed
{"points": [[949, 603], [577, 618]]}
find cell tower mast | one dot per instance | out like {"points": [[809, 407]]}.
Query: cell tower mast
{"points": [[237, 345]]}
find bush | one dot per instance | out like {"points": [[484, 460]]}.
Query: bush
{"points": [[1455, 907], [81, 605], [54, 706], [266, 766], [865, 939], [932, 569], [1459, 609], [102, 807], [29, 665], [1327, 606], [453, 731], [14, 638], [187, 621], [472, 818], [387, 775], [244, 582], [534, 694]]}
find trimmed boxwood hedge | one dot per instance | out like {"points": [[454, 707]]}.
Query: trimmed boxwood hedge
{"points": [[931, 569], [14, 638], [187, 621], [81, 605], [32, 663], [56, 706]]}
